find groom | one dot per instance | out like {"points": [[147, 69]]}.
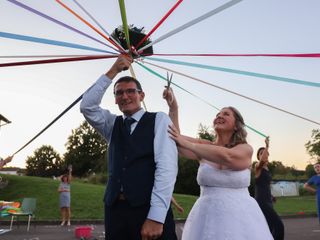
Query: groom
{"points": [[142, 159]]}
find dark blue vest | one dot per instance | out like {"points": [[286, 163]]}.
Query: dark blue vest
{"points": [[131, 162]]}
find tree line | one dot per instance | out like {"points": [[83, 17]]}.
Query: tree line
{"points": [[86, 151]]}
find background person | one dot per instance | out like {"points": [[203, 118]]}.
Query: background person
{"points": [[177, 205], [315, 181], [170, 218], [65, 198], [263, 192]]}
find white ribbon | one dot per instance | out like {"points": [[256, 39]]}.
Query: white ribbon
{"points": [[192, 22]]}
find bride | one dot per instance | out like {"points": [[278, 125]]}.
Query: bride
{"points": [[224, 210]]}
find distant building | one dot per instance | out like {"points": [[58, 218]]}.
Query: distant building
{"points": [[11, 171], [285, 188]]}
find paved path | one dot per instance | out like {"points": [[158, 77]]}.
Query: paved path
{"points": [[296, 229]]}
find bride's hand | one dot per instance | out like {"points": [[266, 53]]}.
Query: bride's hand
{"points": [[170, 98], [267, 141], [177, 137]]}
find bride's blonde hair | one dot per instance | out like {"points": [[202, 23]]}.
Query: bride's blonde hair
{"points": [[240, 134]]}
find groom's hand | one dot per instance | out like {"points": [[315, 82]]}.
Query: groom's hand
{"points": [[151, 230], [122, 63]]}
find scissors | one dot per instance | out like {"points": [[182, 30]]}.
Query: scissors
{"points": [[169, 80]]}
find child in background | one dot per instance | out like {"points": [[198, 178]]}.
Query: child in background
{"points": [[65, 199], [177, 205]]}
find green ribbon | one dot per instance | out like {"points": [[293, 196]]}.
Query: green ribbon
{"points": [[124, 22], [165, 79]]}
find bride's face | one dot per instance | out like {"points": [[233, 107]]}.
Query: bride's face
{"points": [[224, 120]]}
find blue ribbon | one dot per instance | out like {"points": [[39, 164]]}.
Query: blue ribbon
{"points": [[49, 41]]}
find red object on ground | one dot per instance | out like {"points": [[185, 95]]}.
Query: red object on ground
{"points": [[83, 231]]}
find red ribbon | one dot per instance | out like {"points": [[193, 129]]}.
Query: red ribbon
{"points": [[56, 60], [159, 23], [304, 55]]}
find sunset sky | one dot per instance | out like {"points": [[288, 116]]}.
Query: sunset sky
{"points": [[32, 96]]}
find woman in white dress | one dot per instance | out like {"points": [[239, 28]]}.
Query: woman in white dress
{"points": [[224, 210]]}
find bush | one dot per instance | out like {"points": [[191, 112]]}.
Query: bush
{"points": [[304, 192], [99, 178], [187, 177], [251, 187]]}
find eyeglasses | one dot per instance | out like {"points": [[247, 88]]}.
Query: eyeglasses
{"points": [[129, 92]]}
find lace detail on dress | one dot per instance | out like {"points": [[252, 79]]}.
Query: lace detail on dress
{"points": [[225, 210]]}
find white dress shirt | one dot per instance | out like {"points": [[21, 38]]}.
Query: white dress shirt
{"points": [[165, 150]]}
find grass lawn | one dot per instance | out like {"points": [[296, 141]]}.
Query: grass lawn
{"points": [[86, 199], [299, 205]]}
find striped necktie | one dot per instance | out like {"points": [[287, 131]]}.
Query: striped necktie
{"points": [[127, 123]]}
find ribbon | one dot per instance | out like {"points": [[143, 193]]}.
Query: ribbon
{"points": [[240, 95], [49, 41], [54, 20], [159, 23], [229, 70], [96, 22], [299, 55], [52, 122], [158, 75], [124, 22], [88, 24], [56, 60], [192, 22]]}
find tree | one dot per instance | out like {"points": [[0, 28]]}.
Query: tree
{"points": [[276, 167], [204, 133], [45, 162], [187, 175], [313, 146], [310, 170], [86, 151]]}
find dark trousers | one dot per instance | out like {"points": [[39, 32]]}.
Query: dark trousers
{"points": [[124, 222], [274, 221]]}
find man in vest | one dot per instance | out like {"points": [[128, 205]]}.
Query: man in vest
{"points": [[142, 159]]}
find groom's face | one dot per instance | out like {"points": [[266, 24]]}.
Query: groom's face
{"points": [[128, 97]]}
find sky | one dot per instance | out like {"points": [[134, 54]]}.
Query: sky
{"points": [[32, 96]]}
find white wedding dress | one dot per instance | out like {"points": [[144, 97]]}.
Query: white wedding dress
{"points": [[225, 210]]}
